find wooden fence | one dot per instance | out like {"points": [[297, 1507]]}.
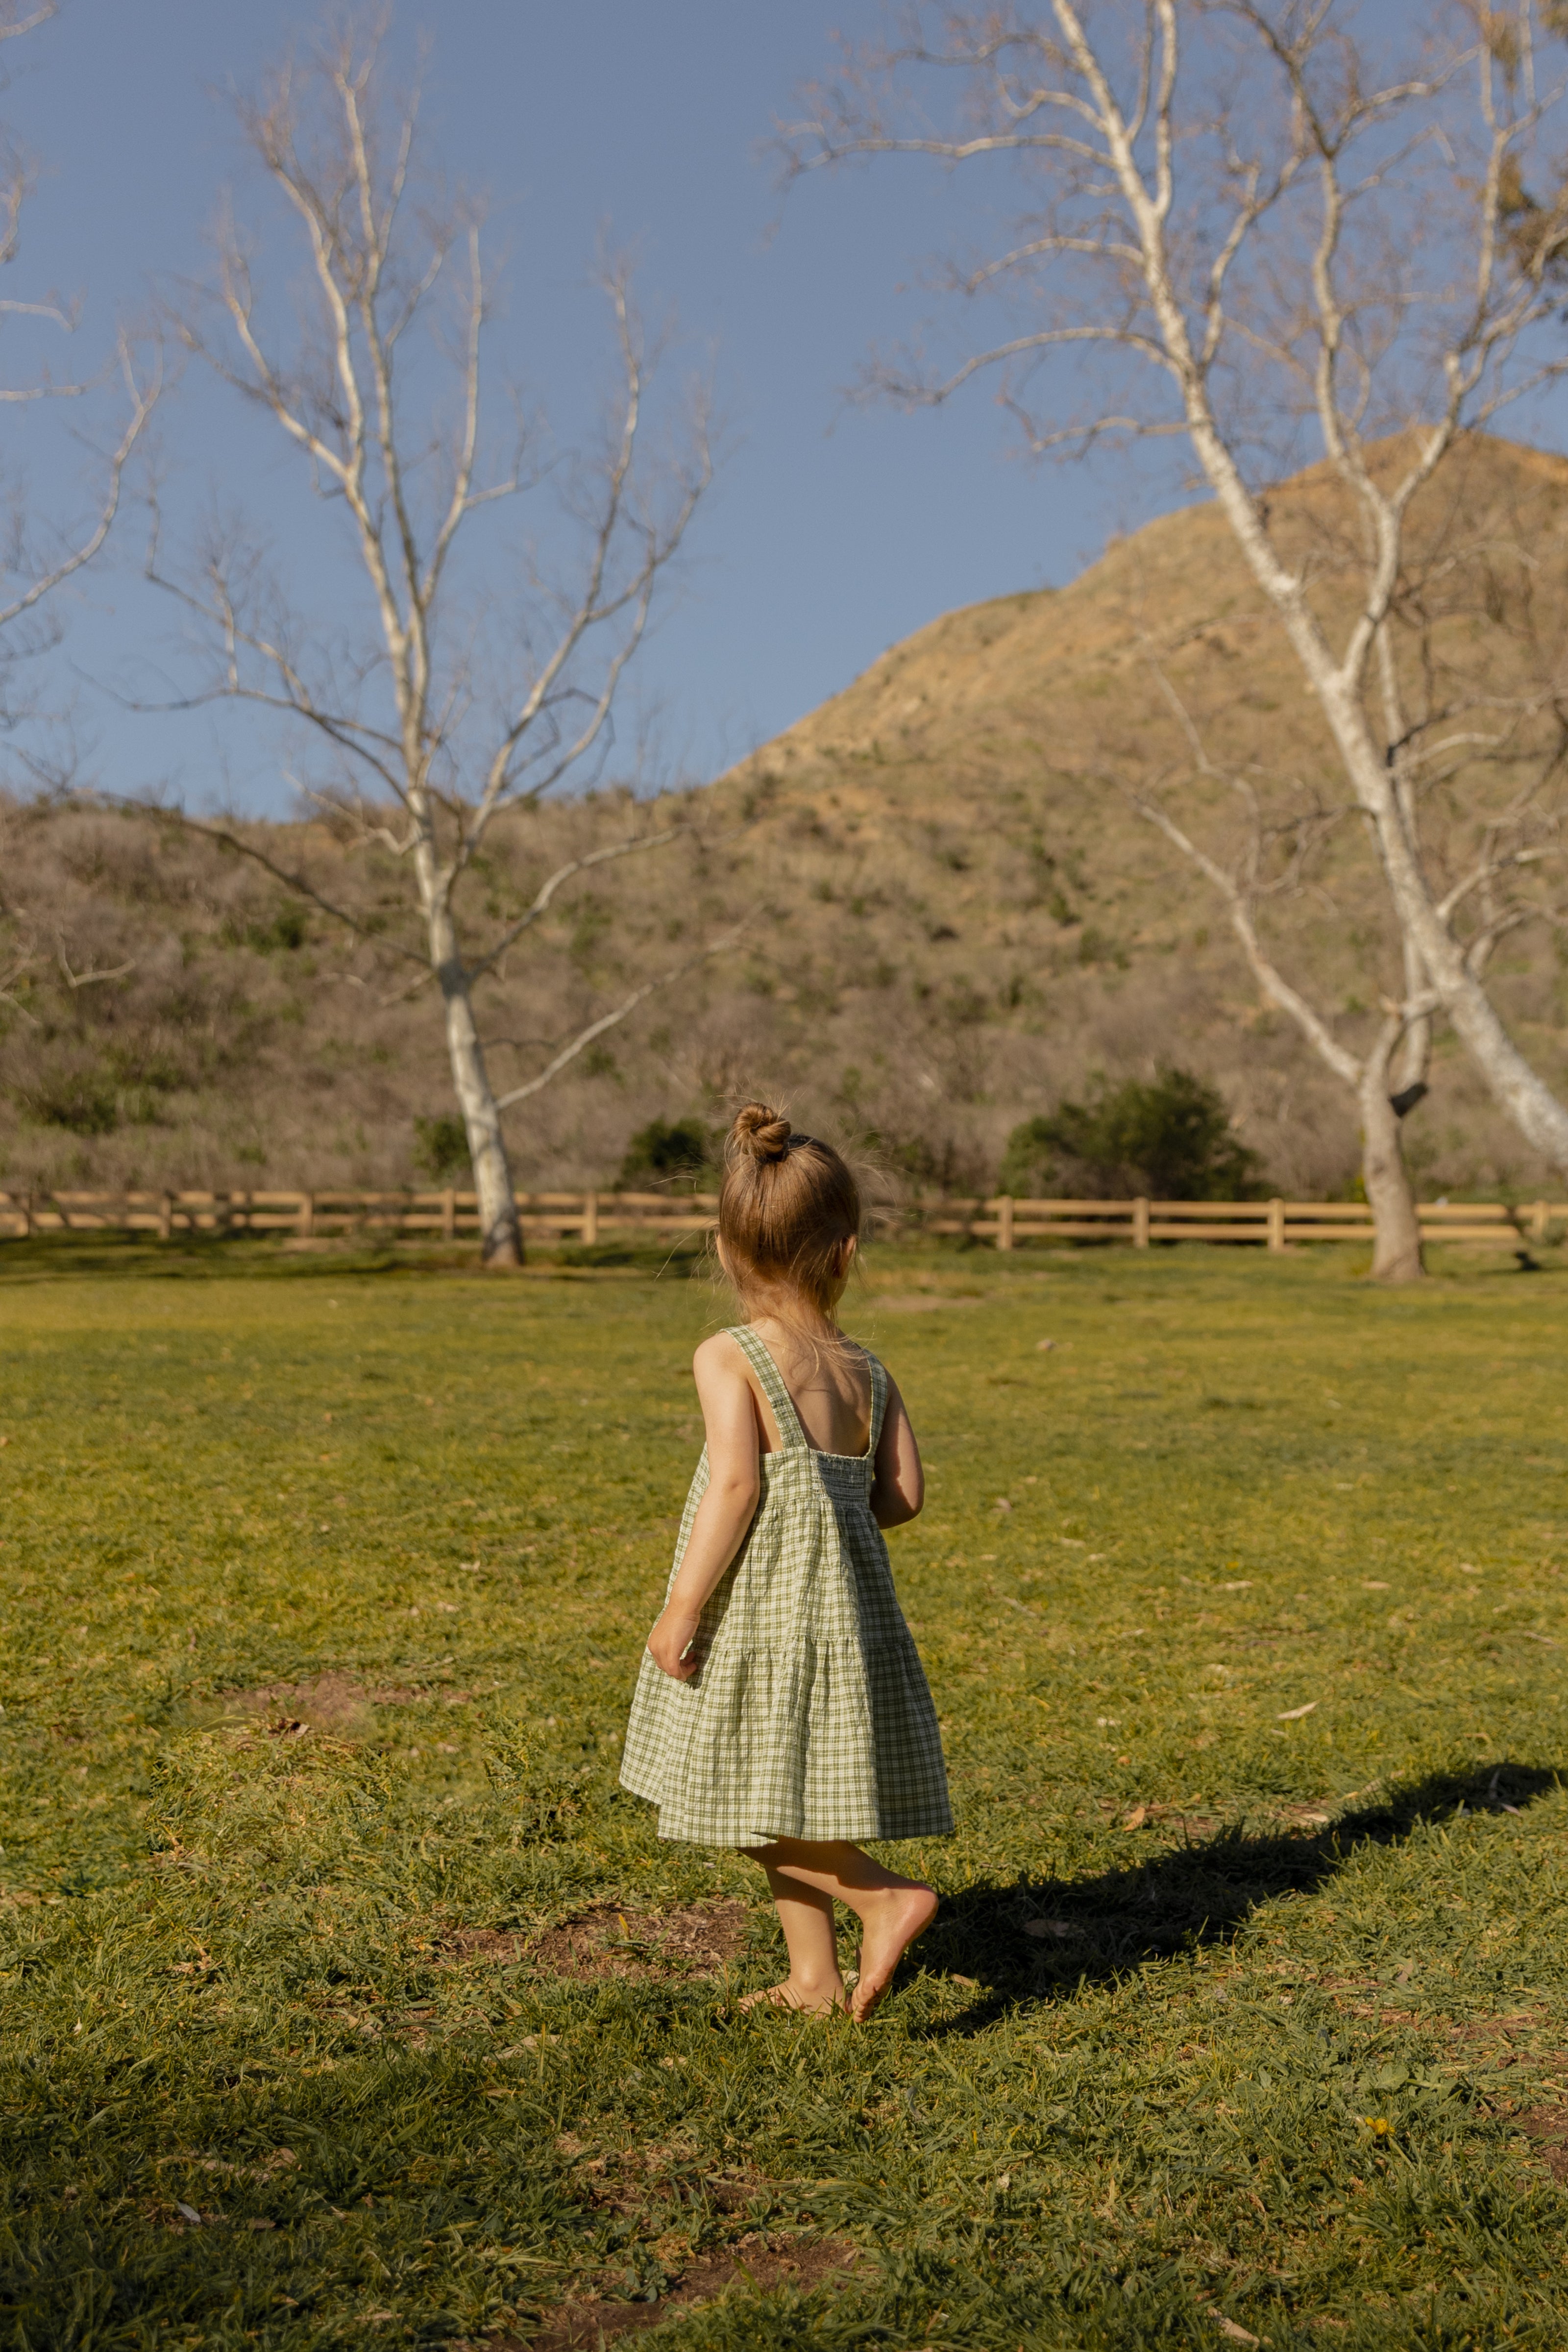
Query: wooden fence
{"points": [[590, 1217]]}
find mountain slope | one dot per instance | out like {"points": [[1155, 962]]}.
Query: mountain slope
{"points": [[952, 913]]}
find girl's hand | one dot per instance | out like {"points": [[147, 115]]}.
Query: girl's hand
{"points": [[670, 1640]]}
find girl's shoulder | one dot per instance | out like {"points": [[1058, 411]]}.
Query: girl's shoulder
{"points": [[719, 1352]]}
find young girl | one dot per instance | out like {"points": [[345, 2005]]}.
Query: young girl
{"points": [[781, 1706]]}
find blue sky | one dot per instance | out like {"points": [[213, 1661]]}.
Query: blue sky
{"points": [[831, 533]]}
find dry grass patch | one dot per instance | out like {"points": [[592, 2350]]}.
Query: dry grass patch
{"points": [[760, 2262], [332, 1702], [699, 1938]]}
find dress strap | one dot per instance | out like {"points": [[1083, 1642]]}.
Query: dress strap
{"points": [[771, 1381], [878, 1401]]}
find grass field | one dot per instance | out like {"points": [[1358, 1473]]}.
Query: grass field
{"points": [[345, 1997]]}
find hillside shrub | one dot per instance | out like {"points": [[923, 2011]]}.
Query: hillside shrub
{"points": [[670, 1156], [82, 1101], [1171, 1139], [277, 932], [441, 1147]]}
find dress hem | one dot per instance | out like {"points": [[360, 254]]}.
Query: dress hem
{"points": [[749, 1835]]}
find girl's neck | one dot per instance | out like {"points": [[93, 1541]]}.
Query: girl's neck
{"points": [[802, 1319]]}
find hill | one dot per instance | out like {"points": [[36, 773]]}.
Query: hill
{"points": [[951, 913]]}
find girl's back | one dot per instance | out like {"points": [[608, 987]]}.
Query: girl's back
{"points": [[829, 1388]]}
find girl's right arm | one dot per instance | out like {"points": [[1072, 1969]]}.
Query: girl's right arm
{"points": [[725, 1511], [898, 1488]]}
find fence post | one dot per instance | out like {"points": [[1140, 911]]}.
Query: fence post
{"points": [[1540, 1222], [1005, 1222], [1140, 1223], [305, 1222], [165, 1216], [1276, 1224], [449, 1213], [590, 1219]]}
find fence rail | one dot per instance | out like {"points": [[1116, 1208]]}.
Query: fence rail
{"points": [[590, 1217]]}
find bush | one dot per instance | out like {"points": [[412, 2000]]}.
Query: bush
{"points": [[668, 1156], [441, 1147], [1171, 1140], [82, 1101], [283, 929]]}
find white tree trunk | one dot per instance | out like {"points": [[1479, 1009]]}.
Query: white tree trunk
{"points": [[1397, 1226], [500, 1233]]}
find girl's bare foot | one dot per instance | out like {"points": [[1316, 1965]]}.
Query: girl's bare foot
{"points": [[890, 1922], [789, 1995]]}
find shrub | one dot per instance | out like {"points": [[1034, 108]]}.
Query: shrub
{"points": [[279, 932], [84, 1102], [666, 1156], [441, 1147], [1171, 1139]]}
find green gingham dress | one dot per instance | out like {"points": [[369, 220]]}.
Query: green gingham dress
{"points": [[810, 1715]]}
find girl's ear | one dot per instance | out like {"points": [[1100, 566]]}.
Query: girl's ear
{"points": [[847, 1249]]}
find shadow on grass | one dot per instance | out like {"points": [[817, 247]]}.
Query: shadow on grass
{"points": [[1038, 1939], [133, 1256]]}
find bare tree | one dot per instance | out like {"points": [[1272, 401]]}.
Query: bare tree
{"points": [[36, 559], [1477, 640], [1246, 227], [452, 706]]}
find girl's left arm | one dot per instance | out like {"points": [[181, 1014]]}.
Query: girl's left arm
{"points": [[898, 1488], [725, 1511]]}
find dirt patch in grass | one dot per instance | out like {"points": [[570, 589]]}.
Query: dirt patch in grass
{"points": [[331, 1703], [608, 1942], [1547, 2127], [802, 2264], [921, 1302]]}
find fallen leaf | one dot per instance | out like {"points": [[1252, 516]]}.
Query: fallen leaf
{"points": [[187, 2213], [1043, 1347], [1242, 1584], [968, 1983], [1042, 1927], [1294, 1715], [1136, 1818], [1237, 2334]]}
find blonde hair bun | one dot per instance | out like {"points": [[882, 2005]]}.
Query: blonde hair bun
{"points": [[760, 1133], [786, 1209]]}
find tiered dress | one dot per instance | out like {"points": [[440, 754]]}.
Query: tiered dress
{"points": [[810, 1715]]}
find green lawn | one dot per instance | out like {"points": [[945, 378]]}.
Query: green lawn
{"points": [[1247, 2014]]}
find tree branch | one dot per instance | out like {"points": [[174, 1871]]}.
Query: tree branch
{"points": [[585, 1037]]}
